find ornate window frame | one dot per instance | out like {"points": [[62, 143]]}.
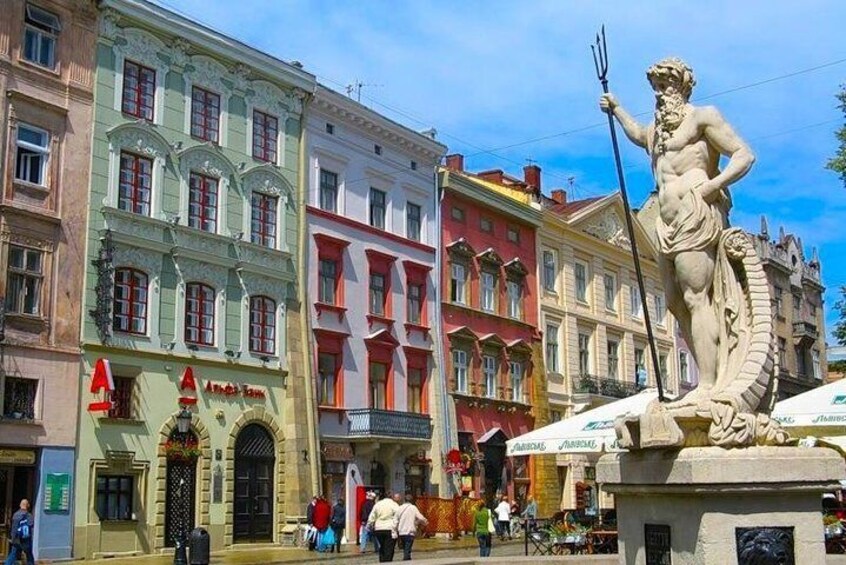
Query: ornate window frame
{"points": [[217, 277], [141, 139], [207, 160], [257, 285], [143, 48], [266, 179], [206, 73], [268, 98], [150, 262]]}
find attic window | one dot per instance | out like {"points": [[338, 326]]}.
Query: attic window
{"points": [[414, 165], [330, 128], [377, 149]]}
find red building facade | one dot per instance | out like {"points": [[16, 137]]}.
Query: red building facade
{"points": [[490, 318]]}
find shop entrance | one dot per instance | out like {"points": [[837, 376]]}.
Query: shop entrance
{"points": [[180, 496], [492, 445], [254, 463], [16, 482]]}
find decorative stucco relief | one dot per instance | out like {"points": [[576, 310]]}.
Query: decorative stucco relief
{"points": [[608, 227]]}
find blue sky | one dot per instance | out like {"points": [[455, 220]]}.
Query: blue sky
{"points": [[491, 75]]}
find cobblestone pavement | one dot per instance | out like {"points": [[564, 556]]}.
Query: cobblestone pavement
{"points": [[499, 550]]}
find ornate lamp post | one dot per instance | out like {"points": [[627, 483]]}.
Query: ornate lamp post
{"points": [[183, 420]]}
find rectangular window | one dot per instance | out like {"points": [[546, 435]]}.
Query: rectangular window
{"points": [[662, 367], [488, 284], [779, 300], [457, 214], [489, 375], [262, 325], [31, 153], [637, 305], [205, 114], [610, 292], [580, 270], [516, 381], [613, 359], [199, 314], [640, 367], [801, 365], [812, 310], [515, 299], [584, 354], [328, 281], [459, 370], [486, 225], [265, 135], [328, 191], [413, 165], [415, 391], [19, 398], [40, 33], [327, 374], [378, 386], [458, 281], [139, 91], [549, 271], [660, 310], [114, 498], [135, 184], [23, 280], [412, 222], [797, 306], [782, 354], [330, 128], [202, 202], [684, 370], [377, 208], [377, 149], [377, 294], [552, 349], [121, 398], [129, 307], [263, 222], [554, 416], [513, 234], [816, 368], [415, 303]]}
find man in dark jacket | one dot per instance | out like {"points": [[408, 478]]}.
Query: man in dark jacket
{"points": [[312, 541], [338, 523], [364, 533], [23, 528]]}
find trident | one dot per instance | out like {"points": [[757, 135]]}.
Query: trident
{"points": [[600, 61]]}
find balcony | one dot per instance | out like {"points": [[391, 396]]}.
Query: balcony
{"points": [[370, 422], [805, 333], [612, 388]]}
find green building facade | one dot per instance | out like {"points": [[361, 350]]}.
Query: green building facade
{"points": [[192, 300]]}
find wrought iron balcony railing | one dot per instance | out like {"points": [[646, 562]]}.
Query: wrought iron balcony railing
{"points": [[366, 422], [805, 332], [614, 388]]}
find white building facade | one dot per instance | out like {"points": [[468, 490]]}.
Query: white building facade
{"points": [[372, 229]]}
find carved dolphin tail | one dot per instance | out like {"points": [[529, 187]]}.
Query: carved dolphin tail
{"points": [[742, 397]]}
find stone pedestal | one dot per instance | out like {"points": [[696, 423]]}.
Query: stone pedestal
{"points": [[715, 501]]}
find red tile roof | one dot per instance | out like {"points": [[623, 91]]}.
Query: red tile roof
{"points": [[569, 208]]}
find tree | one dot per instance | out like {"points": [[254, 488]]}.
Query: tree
{"points": [[838, 162], [840, 325]]}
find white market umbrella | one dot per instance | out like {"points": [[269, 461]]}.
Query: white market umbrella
{"points": [[588, 432], [823, 406]]}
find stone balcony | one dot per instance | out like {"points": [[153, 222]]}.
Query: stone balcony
{"points": [[373, 423], [599, 386], [805, 333]]}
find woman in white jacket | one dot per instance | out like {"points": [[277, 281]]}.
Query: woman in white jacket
{"points": [[383, 522], [408, 519]]}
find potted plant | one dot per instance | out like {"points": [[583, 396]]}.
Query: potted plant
{"points": [[187, 452]]}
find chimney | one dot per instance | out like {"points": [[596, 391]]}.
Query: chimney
{"points": [[560, 196], [455, 162], [532, 176]]}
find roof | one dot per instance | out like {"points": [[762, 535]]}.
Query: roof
{"points": [[571, 207]]}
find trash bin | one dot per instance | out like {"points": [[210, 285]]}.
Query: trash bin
{"points": [[199, 547]]}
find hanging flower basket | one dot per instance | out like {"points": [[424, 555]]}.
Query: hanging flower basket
{"points": [[180, 451]]}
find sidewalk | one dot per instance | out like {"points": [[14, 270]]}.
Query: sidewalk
{"points": [[265, 555]]}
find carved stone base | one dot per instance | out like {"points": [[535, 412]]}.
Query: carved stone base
{"points": [[709, 506]]}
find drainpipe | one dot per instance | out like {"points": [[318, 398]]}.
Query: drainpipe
{"points": [[302, 296]]}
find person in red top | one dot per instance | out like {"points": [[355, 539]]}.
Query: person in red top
{"points": [[322, 514]]}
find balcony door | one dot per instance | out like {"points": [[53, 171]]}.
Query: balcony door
{"points": [[253, 505]]}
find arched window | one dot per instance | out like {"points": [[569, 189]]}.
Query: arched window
{"points": [[199, 314], [262, 325], [130, 301]]}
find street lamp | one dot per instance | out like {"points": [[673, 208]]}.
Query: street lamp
{"points": [[183, 420]]}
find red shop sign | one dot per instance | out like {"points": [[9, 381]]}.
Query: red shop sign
{"points": [[102, 382]]}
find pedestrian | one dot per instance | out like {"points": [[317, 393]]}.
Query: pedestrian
{"points": [[484, 528], [312, 537], [408, 519], [338, 522], [23, 528], [503, 518], [322, 516], [530, 514], [365, 532], [382, 520]]}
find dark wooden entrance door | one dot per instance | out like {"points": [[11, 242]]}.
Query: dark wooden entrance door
{"points": [[254, 464], [15, 483], [181, 490]]}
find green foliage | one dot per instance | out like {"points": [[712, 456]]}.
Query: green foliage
{"points": [[837, 367], [838, 162], [840, 307]]}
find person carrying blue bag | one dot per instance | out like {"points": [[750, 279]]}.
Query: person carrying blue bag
{"points": [[326, 540], [23, 528]]}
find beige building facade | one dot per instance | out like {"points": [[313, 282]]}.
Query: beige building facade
{"points": [[592, 320], [46, 81]]}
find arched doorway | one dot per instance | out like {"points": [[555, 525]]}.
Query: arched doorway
{"points": [[182, 451], [253, 504]]}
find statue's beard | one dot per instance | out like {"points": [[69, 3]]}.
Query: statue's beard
{"points": [[669, 114]]}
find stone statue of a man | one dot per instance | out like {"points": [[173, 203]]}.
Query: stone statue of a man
{"points": [[713, 279], [685, 143]]}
